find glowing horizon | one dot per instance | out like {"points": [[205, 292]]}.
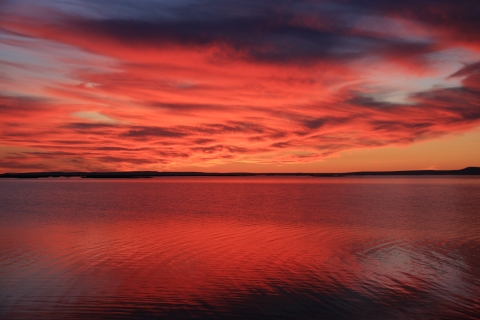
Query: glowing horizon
{"points": [[304, 86]]}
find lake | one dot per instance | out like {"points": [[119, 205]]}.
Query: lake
{"points": [[240, 248]]}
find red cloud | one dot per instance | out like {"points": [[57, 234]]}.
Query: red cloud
{"points": [[185, 98]]}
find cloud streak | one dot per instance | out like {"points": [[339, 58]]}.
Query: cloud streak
{"points": [[165, 86]]}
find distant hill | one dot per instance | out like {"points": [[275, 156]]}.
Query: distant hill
{"points": [[150, 174]]}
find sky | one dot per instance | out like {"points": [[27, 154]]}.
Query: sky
{"points": [[240, 85]]}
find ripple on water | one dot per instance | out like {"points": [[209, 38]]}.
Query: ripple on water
{"points": [[295, 259]]}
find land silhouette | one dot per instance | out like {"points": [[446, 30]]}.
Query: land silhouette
{"points": [[151, 174]]}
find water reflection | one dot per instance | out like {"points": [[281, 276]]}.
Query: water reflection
{"points": [[241, 249]]}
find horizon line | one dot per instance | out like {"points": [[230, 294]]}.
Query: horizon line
{"points": [[145, 174]]}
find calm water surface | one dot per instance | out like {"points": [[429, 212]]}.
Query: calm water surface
{"points": [[253, 247]]}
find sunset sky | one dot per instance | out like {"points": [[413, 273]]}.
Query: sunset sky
{"points": [[240, 85]]}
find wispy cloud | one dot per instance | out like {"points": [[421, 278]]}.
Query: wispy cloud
{"points": [[158, 85]]}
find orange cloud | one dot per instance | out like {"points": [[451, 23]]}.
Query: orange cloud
{"points": [[264, 87]]}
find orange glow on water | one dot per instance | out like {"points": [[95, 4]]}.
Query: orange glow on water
{"points": [[236, 246]]}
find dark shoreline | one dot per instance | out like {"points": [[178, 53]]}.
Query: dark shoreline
{"points": [[151, 174]]}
